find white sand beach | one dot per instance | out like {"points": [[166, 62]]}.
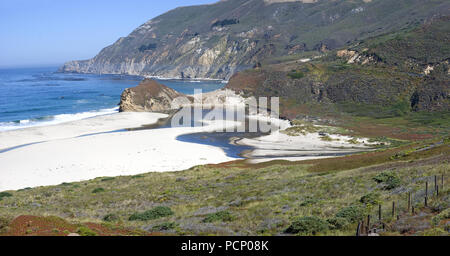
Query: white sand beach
{"points": [[100, 146], [62, 153]]}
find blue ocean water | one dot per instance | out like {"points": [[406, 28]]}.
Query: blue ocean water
{"points": [[41, 96]]}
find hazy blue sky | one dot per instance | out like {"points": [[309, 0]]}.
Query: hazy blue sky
{"points": [[51, 32]]}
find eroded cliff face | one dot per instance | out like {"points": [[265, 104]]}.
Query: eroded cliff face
{"points": [[217, 40], [148, 96]]}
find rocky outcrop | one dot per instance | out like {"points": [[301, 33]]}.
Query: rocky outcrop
{"points": [[148, 96], [217, 40]]}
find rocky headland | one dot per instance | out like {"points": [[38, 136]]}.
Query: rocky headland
{"points": [[149, 96]]}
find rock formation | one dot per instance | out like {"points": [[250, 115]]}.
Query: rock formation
{"points": [[149, 96]]}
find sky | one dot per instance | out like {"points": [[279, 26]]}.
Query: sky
{"points": [[51, 32]]}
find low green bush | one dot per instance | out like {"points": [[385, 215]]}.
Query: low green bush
{"points": [[296, 75], [108, 178], [351, 213], [98, 190], [310, 225], [165, 226], [390, 180], [337, 223], [371, 198], [111, 217], [155, 213], [445, 214], [223, 216], [4, 194]]}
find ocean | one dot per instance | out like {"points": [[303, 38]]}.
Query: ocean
{"points": [[41, 96]]}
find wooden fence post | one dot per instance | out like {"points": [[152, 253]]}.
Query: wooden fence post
{"points": [[393, 209], [426, 201], [379, 212], [358, 229], [409, 201], [437, 190], [435, 183]]}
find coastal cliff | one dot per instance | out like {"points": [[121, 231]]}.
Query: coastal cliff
{"points": [[217, 40]]}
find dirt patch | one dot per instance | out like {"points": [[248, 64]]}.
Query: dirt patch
{"points": [[27, 225]]}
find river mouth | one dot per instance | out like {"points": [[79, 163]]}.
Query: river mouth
{"points": [[226, 140], [232, 142]]}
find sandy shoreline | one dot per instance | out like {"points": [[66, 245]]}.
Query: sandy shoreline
{"points": [[97, 124], [67, 156], [100, 146]]}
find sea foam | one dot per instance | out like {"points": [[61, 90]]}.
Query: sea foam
{"points": [[56, 119]]}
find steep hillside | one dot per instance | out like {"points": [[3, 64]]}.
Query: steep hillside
{"points": [[217, 40], [388, 75]]}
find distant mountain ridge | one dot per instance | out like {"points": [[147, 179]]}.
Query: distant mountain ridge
{"points": [[217, 40]]}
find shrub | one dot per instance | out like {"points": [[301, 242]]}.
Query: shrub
{"points": [[307, 225], [337, 222], [107, 179], [372, 198], [111, 217], [85, 231], [445, 214], [351, 213], [402, 154], [223, 216], [4, 194], [148, 47], [225, 22], [390, 180], [98, 190], [165, 226], [155, 213], [296, 75]]}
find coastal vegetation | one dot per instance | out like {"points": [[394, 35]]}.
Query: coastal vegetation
{"points": [[314, 197]]}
